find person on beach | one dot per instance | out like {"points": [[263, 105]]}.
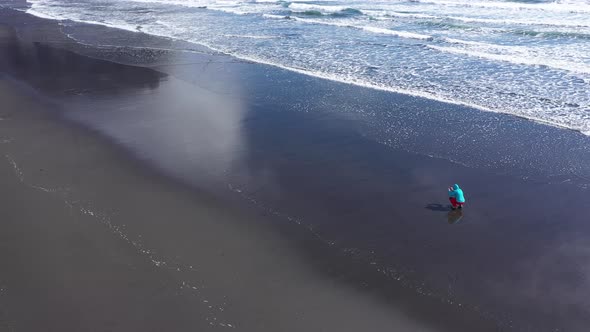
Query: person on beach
{"points": [[456, 197]]}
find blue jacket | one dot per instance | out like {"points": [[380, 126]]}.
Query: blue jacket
{"points": [[457, 193]]}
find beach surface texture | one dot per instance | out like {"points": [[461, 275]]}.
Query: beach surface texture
{"points": [[150, 183]]}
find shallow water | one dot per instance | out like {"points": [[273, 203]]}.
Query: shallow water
{"points": [[528, 58]]}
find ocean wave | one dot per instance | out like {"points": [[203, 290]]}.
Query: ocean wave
{"points": [[519, 59], [550, 34], [58, 17], [190, 3], [549, 64], [409, 15], [444, 24], [276, 17], [518, 53], [321, 8], [546, 22], [252, 36], [570, 122], [227, 6], [397, 14], [552, 6], [402, 34], [245, 7], [347, 12], [307, 13], [318, 10], [464, 42], [378, 30], [39, 14]]}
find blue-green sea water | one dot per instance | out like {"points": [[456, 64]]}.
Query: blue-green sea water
{"points": [[530, 58]]}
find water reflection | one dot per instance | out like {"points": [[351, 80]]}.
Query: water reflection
{"points": [[189, 131], [58, 71], [454, 217]]}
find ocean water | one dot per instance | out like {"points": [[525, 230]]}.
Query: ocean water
{"points": [[530, 58]]}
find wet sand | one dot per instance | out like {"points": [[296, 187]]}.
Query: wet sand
{"points": [[189, 190], [92, 241]]}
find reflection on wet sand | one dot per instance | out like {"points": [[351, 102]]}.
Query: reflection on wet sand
{"points": [[455, 216], [190, 132], [61, 72]]}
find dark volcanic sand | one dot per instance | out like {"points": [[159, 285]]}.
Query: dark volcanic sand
{"points": [[290, 203]]}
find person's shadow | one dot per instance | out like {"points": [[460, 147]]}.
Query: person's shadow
{"points": [[453, 216], [437, 207]]}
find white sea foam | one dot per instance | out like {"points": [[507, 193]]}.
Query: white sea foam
{"points": [[402, 34], [40, 14], [381, 13], [273, 16], [233, 7], [35, 11], [117, 25], [565, 123], [321, 8], [190, 3], [252, 36], [552, 73], [521, 59], [555, 6], [463, 42], [529, 21]]}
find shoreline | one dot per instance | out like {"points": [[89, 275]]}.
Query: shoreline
{"points": [[529, 129], [325, 76], [88, 200], [307, 165], [204, 289]]}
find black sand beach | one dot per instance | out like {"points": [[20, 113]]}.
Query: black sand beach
{"points": [[153, 185]]}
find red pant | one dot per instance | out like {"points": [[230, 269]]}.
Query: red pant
{"points": [[454, 202]]}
